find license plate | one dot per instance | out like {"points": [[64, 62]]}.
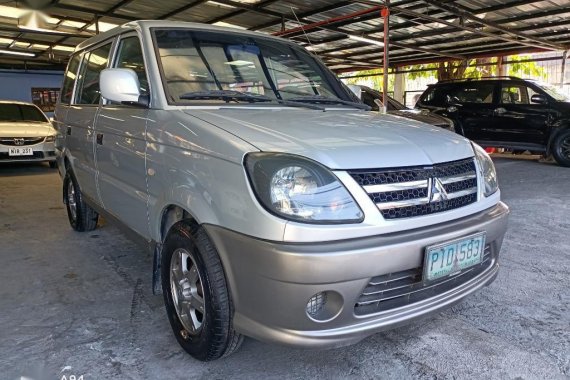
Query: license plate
{"points": [[450, 258], [21, 152]]}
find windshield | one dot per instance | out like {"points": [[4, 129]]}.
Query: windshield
{"points": [[553, 92], [214, 67], [20, 112]]}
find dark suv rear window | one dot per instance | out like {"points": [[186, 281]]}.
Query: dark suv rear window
{"points": [[434, 96]]}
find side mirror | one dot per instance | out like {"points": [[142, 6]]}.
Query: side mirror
{"points": [[539, 99], [122, 86]]}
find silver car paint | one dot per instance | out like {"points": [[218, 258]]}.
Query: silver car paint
{"points": [[193, 158], [271, 282]]}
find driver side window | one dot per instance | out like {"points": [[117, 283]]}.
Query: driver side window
{"points": [[516, 94], [130, 56]]}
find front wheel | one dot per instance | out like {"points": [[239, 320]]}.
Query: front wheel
{"points": [[561, 148], [196, 295]]}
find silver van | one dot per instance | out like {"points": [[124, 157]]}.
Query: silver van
{"points": [[276, 206]]}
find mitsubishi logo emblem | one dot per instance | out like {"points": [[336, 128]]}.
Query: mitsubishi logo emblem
{"points": [[19, 142], [436, 190]]}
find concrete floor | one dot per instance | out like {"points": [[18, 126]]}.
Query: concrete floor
{"points": [[81, 304]]}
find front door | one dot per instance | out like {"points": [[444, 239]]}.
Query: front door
{"points": [[520, 120], [121, 147]]}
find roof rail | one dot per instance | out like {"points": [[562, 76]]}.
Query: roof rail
{"points": [[472, 79]]}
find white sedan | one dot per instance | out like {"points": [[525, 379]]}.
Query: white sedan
{"points": [[26, 134]]}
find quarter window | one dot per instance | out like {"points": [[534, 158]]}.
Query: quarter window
{"points": [[88, 90]]}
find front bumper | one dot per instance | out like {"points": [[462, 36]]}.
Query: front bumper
{"points": [[44, 151], [271, 282]]}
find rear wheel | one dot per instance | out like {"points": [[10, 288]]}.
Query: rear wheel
{"points": [[81, 216], [196, 295], [561, 148]]}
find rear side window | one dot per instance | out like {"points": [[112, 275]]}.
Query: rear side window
{"points": [[69, 79], [435, 96], [88, 91], [473, 93]]}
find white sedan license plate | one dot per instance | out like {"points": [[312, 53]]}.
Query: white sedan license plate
{"points": [[21, 152], [452, 257]]}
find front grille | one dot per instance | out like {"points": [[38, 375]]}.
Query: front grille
{"points": [[399, 289], [20, 141], [6, 156], [420, 190]]}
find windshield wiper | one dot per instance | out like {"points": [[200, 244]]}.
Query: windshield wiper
{"points": [[226, 95], [292, 103], [319, 99]]}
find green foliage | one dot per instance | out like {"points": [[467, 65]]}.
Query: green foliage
{"points": [[475, 68], [372, 78], [525, 69]]}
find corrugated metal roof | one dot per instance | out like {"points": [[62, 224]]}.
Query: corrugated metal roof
{"points": [[420, 30]]}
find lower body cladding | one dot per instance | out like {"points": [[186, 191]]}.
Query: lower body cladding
{"points": [[42, 152], [331, 294]]}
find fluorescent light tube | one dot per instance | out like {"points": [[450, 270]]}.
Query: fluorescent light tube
{"points": [[18, 53], [367, 40]]}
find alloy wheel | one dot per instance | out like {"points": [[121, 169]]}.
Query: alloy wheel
{"points": [[187, 291]]}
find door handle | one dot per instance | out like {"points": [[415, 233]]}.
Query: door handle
{"points": [[68, 131], [99, 138], [500, 111]]}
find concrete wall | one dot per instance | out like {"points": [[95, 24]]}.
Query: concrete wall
{"points": [[17, 85]]}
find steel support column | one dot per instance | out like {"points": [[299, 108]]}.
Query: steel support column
{"points": [[385, 13], [563, 69]]}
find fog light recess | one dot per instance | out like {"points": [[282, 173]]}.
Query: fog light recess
{"points": [[324, 306]]}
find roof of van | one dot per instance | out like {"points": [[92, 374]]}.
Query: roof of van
{"points": [[147, 24]]}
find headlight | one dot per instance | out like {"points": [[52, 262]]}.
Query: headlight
{"points": [[50, 139], [487, 168], [299, 189]]}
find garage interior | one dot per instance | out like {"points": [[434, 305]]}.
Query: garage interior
{"points": [[82, 304]]}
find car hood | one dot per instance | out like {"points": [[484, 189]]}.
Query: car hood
{"points": [[26, 129], [341, 139], [424, 117]]}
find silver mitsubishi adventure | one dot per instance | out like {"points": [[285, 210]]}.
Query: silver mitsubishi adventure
{"points": [[275, 204]]}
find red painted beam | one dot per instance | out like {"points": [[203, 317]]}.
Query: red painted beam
{"points": [[328, 21]]}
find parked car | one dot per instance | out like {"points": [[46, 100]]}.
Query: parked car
{"points": [[373, 99], [26, 134], [505, 112], [276, 207]]}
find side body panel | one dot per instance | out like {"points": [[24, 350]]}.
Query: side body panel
{"points": [[198, 167], [120, 153], [79, 142]]}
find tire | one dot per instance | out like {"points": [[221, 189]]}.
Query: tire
{"points": [[81, 216], [561, 148], [53, 164], [193, 278]]}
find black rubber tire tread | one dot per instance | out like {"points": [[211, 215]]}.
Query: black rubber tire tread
{"points": [[217, 338], [87, 217], [556, 151]]}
